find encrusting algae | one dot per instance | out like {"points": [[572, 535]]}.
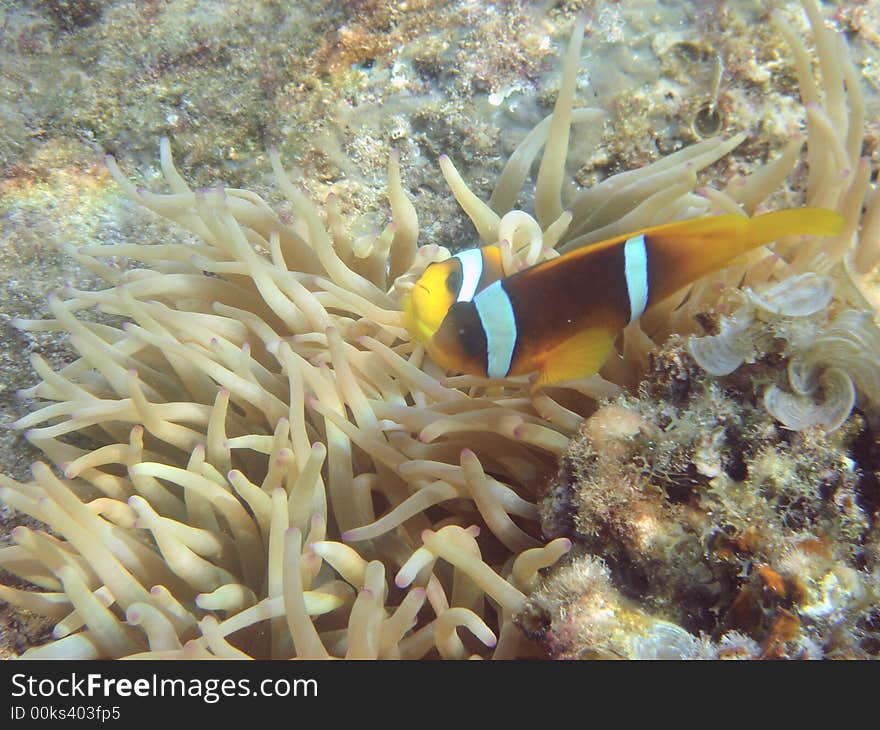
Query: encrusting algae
{"points": [[259, 462], [718, 524]]}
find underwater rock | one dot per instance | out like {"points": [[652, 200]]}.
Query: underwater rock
{"points": [[697, 508]]}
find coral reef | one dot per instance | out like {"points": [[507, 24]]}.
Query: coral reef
{"points": [[828, 348], [707, 525], [249, 457]]}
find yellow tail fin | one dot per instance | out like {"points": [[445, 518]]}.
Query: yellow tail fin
{"points": [[794, 222], [683, 252]]}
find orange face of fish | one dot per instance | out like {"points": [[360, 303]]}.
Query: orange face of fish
{"points": [[431, 297], [458, 279]]}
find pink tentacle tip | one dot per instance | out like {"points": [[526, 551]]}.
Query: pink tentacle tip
{"points": [[566, 543], [346, 536], [467, 454], [191, 647], [233, 474]]}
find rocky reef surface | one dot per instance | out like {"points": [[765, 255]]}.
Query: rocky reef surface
{"points": [[697, 514]]}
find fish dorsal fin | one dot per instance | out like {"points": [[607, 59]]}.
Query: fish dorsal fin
{"points": [[579, 356]]}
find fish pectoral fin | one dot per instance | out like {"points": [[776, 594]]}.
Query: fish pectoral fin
{"points": [[577, 357]]}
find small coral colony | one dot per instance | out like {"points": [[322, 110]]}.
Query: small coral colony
{"points": [[637, 422]]}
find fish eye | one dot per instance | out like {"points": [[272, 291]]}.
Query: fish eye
{"points": [[453, 281]]}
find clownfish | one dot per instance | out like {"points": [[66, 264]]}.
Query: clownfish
{"points": [[561, 317]]}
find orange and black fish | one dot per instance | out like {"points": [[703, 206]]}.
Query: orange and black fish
{"points": [[561, 317]]}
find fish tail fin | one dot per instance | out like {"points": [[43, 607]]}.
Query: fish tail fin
{"points": [[683, 252], [769, 227]]}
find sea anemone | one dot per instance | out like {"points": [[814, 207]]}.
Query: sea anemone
{"points": [[820, 309], [254, 460]]}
